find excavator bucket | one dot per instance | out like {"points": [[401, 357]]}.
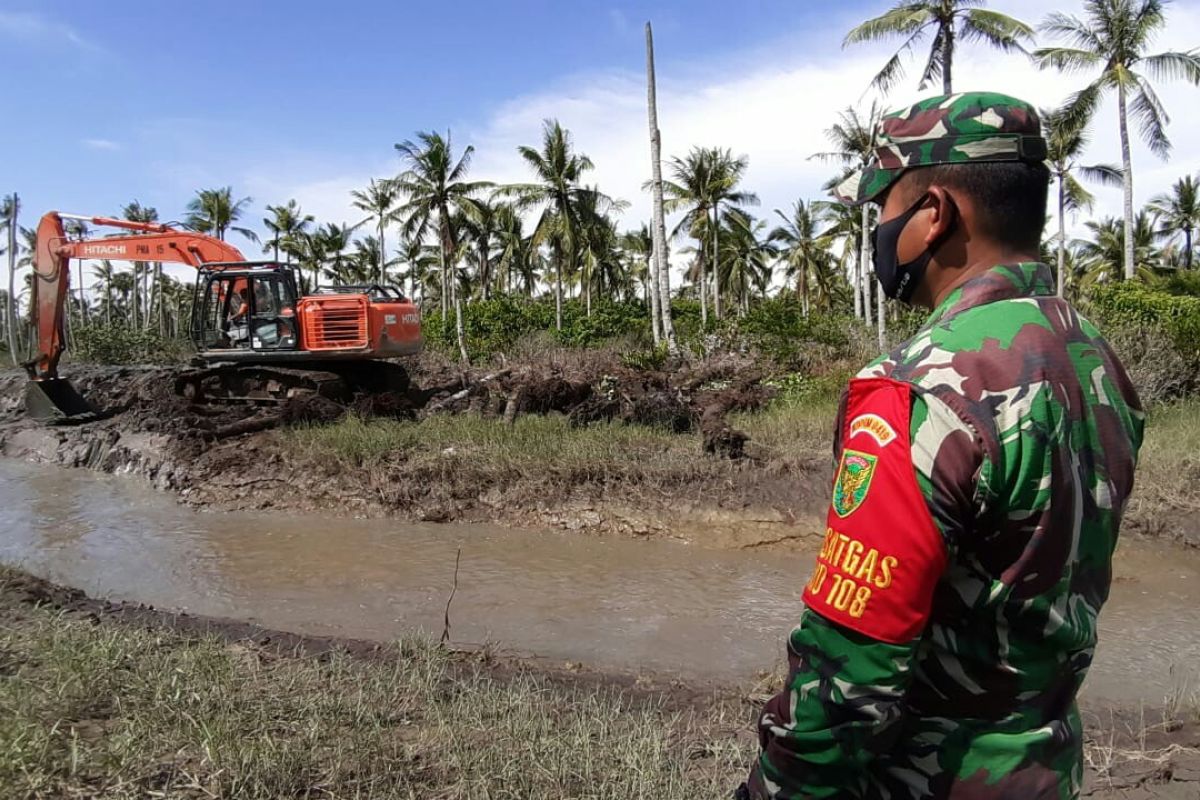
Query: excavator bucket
{"points": [[54, 400]]}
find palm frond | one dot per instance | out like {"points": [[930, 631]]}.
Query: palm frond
{"points": [[1075, 31], [904, 19], [1174, 65], [1152, 118], [999, 30], [1067, 59], [1104, 174]]}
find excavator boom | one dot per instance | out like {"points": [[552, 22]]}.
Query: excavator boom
{"points": [[47, 395]]}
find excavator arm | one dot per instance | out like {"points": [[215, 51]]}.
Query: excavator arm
{"points": [[51, 268], [47, 396]]}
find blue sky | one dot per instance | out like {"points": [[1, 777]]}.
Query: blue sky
{"points": [[122, 100]]}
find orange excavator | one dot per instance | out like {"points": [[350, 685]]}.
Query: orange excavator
{"points": [[256, 338]]}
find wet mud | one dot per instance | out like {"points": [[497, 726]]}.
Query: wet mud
{"points": [[224, 456]]}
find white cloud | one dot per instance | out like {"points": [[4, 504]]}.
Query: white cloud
{"points": [[772, 105], [35, 28], [100, 144]]}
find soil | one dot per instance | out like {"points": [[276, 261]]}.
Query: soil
{"points": [[229, 457], [226, 456]]}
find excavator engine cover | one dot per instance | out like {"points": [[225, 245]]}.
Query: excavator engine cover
{"points": [[55, 400]]}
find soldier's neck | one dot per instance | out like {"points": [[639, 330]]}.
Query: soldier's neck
{"points": [[942, 280]]}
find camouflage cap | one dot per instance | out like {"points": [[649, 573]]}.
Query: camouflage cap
{"points": [[948, 129]]}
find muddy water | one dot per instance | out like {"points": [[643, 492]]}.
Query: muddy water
{"points": [[654, 606]]}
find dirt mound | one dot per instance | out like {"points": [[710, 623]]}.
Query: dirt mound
{"points": [[596, 389]]}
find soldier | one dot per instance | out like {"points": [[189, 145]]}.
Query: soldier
{"points": [[982, 470]]}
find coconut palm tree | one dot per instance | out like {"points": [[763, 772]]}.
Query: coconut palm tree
{"points": [[746, 256], [558, 191], [947, 21], [638, 246], [362, 265], [1099, 257], [513, 249], [1114, 38], [844, 227], [286, 224], [1065, 142], [690, 192], [422, 261], [479, 227], [105, 274], [334, 241], [1176, 212], [378, 200], [435, 184], [213, 211], [703, 180], [853, 139], [136, 212], [78, 229], [804, 250]]}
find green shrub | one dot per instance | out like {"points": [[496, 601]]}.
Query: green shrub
{"points": [[495, 326], [778, 328], [1139, 306], [653, 358], [1155, 333], [120, 344]]}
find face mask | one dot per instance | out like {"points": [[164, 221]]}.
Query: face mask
{"points": [[897, 280]]}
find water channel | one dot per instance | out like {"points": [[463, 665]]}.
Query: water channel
{"points": [[612, 603]]}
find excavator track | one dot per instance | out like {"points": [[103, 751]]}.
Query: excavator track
{"points": [[258, 383]]}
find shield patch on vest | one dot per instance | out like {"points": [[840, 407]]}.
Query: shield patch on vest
{"points": [[853, 481]]}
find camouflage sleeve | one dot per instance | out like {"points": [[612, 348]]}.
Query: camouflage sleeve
{"points": [[848, 676]]}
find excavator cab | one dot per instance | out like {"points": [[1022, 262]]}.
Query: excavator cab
{"points": [[245, 308]]}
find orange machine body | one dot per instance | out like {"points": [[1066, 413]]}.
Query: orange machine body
{"points": [[332, 326], [352, 323]]}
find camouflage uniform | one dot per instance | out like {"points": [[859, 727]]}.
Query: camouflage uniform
{"points": [[983, 468]]}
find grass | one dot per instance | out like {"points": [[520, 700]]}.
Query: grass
{"points": [[1168, 468], [530, 440], [104, 709], [95, 707]]}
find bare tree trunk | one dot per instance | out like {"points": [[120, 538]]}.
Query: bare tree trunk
{"points": [[660, 225], [13, 210], [445, 298], [136, 298], [82, 296], [382, 255], [716, 261], [162, 305], [881, 318], [1128, 167], [558, 298], [868, 276], [863, 262], [702, 285], [1062, 233], [947, 58], [651, 290]]}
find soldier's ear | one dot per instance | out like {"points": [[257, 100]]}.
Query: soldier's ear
{"points": [[943, 215]]}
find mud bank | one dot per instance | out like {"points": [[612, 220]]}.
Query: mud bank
{"points": [[237, 457], [670, 460]]}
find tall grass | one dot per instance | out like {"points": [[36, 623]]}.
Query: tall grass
{"points": [[1168, 469]]}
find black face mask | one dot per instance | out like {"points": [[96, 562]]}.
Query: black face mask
{"points": [[897, 280]]}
